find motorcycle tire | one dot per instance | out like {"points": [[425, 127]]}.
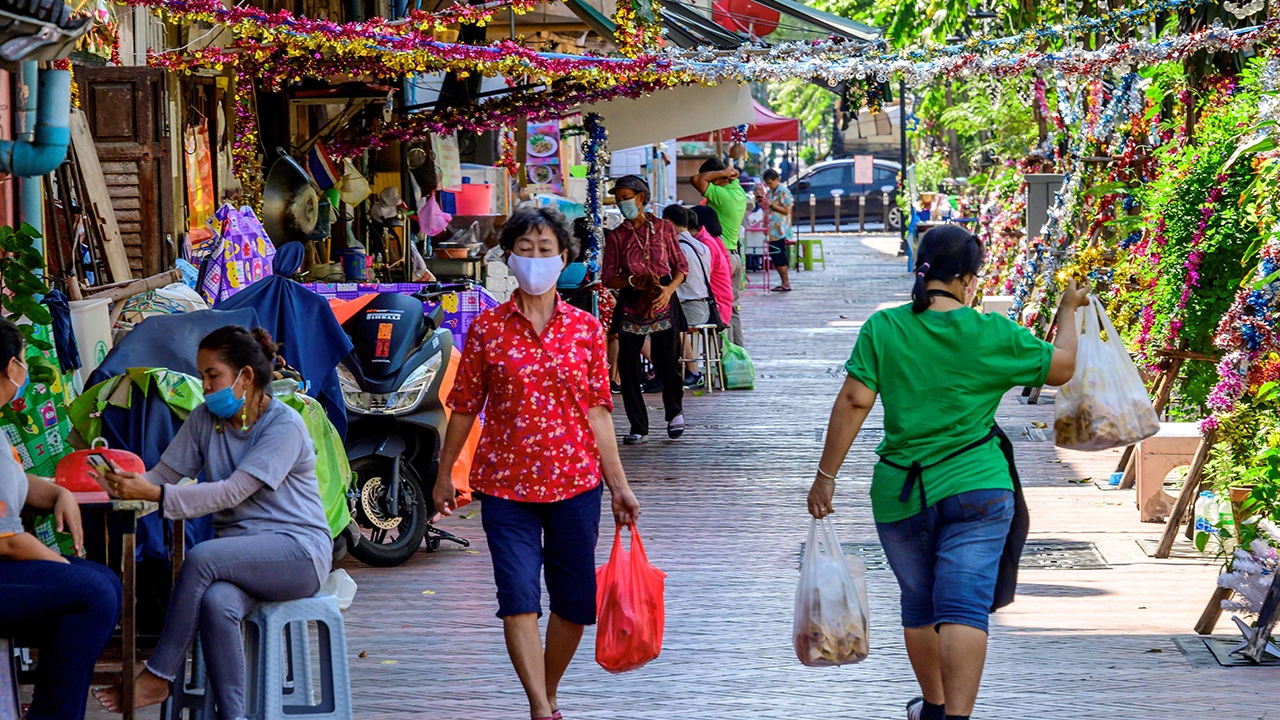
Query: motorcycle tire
{"points": [[371, 550]]}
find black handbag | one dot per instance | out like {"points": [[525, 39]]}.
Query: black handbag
{"points": [[720, 324]]}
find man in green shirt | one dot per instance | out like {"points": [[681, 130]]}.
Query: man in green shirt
{"points": [[718, 183]]}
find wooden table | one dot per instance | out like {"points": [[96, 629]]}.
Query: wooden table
{"points": [[128, 511]]}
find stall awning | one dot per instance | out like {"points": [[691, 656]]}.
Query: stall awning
{"points": [[767, 126], [673, 112]]}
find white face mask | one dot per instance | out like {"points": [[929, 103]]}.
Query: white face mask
{"points": [[535, 275]]}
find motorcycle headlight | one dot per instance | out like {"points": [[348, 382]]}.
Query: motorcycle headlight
{"points": [[399, 402]]}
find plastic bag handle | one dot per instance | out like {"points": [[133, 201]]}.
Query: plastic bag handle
{"points": [[637, 547], [822, 532]]}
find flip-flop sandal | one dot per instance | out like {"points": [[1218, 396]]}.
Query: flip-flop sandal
{"points": [[781, 289], [556, 716]]}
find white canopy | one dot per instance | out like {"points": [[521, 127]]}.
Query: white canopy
{"points": [[675, 112]]}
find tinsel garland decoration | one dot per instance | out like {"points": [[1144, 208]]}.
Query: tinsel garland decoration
{"points": [[1247, 332], [837, 61], [595, 152], [1048, 258], [251, 19], [292, 57], [507, 158], [636, 35], [244, 147], [1252, 571], [556, 102]]}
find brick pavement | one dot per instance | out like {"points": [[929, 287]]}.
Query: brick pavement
{"points": [[724, 516]]}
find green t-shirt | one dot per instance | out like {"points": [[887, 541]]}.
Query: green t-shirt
{"points": [[941, 376], [730, 204]]}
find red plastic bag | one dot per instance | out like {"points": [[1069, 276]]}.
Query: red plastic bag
{"points": [[630, 607]]}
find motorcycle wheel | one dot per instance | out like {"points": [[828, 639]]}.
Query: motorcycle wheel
{"points": [[387, 541]]}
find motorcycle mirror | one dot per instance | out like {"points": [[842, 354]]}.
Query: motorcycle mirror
{"points": [[435, 317]]}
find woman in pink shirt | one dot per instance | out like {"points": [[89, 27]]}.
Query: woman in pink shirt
{"points": [[707, 229]]}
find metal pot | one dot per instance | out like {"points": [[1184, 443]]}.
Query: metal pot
{"points": [[290, 204]]}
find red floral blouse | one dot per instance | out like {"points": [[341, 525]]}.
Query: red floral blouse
{"points": [[537, 444]]}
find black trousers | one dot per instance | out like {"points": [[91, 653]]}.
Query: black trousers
{"points": [[664, 351]]}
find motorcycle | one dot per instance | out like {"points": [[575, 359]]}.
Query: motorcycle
{"points": [[391, 388]]}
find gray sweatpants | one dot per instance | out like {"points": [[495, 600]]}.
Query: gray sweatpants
{"points": [[738, 269], [219, 584]]}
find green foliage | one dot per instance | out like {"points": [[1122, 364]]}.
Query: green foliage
{"points": [[18, 261], [804, 101], [1186, 179], [809, 154], [994, 117], [931, 170], [1247, 454]]}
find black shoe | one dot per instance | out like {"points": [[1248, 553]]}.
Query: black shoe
{"points": [[675, 428], [635, 439], [693, 381], [652, 386], [615, 388]]}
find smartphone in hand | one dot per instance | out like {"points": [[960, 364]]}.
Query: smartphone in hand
{"points": [[100, 464]]}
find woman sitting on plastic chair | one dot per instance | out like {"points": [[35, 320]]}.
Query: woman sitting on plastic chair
{"points": [[271, 540], [65, 607]]}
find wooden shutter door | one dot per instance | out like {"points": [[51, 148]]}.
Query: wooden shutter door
{"points": [[128, 120]]}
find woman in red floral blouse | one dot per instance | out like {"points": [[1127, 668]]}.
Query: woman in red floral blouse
{"points": [[537, 367]]}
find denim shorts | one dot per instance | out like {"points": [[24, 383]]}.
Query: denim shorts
{"points": [[525, 536], [947, 558]]}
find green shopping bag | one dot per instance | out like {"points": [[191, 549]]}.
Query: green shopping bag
{"points": [[739, 372]]}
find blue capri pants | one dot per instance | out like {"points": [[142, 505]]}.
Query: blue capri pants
{"points": [[947, 558]]}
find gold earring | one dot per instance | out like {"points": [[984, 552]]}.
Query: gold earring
{"points": [[244, 417]]}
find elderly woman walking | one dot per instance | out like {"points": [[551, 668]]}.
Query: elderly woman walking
{"points": [[537, 368], [943, 492]]}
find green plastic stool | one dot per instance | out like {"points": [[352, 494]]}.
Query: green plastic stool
{"points": [[806, 256]]}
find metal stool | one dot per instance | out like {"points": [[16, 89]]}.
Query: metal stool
{"points": [[269, 695], [708, 336]]}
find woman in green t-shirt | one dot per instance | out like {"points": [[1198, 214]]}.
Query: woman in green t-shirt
{"points": [[943, 493]]}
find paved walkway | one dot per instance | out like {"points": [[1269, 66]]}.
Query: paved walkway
{"points": [[724, 515]]}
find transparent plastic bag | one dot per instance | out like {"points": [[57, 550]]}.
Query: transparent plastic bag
{"points": [[1104, 405], [342, 586], [832, 624]]}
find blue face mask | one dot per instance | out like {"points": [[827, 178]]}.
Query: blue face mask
{"points": [[26, 380], [224, 403]]}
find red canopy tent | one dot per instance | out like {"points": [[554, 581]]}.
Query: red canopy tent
{"points": [[768, 127]]}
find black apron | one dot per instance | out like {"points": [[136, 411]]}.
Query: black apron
{"points": [[1007, 580]]}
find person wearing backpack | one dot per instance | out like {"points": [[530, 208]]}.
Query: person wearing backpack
{"points": [[945, 495]]}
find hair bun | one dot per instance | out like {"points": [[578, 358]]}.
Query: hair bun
{"points": [[270, 349]]}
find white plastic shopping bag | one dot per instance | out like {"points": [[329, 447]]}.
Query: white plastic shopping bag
{"points": [[831, 620], [1105, 404]]}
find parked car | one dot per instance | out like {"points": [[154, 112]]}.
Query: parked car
{"points": [[822, 178]]}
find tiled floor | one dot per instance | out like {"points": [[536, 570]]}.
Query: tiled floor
{"points": [[724, 516]]}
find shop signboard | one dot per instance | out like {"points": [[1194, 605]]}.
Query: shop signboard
{"points": [[448, 160], [542, 166]]}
